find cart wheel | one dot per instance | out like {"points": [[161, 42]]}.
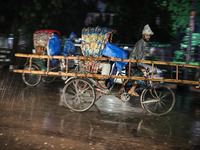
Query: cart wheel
{"points": [[79, 95], [157, 100], [64, 78], [48, 79], [31, 79]]}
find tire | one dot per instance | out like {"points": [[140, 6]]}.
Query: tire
{"points": [[79, 95], [48, 79], [31, 79], [157, 100]]}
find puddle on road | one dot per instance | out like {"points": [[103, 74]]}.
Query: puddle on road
{"points": [[31, 118]]}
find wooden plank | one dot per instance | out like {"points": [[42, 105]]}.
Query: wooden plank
{"points": [[30, 62], [67, 65], [48, 64], [152, 69], [177, 72], [105, 76], [108, 59]]}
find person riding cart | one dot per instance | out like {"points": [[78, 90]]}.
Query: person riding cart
{"points": [[82, 90], [138, 53], [69, 46], [69, 50]]}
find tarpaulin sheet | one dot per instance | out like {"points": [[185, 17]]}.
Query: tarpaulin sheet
{"points": [[54, 45], [114, 51], [53, 48]]}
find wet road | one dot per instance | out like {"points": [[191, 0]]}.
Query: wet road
{"points": [[33, 118]]}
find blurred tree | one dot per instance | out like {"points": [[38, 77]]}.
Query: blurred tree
{"points": [[73, 14], [25, 17], [37, 14], [195, 40], [167, 18], [181, 13], [28, 16], [179, 56], [132, 16], [195, 45]]}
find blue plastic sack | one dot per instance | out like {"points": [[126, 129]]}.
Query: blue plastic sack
{"points": [[117, 52], [54, 49], [54, 45]]}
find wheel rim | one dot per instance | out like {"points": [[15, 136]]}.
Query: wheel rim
{"points": [[31, 79], [48, 79], [79, 95], [158, 100]]}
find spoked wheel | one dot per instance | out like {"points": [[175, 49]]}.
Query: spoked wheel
{"points": [[79, 95], [157, 100], [48, 79], [31, 79]]}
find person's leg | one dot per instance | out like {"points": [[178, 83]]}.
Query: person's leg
{"points": [[132, 90], [135, 72], [121, 90], [140, 72], [122, 87], [127, 73], [105, 67]]}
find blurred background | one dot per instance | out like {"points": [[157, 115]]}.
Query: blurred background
{"points": [[175, 23]]}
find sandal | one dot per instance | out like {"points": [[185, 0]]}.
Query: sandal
{"points": [[118, 96], [134, 94], [102, 84], [121, 91]]}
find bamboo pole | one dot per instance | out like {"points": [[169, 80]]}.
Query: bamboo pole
{"points": [[108, 59], [104, 76], [48, 64], [152, 70], [109, 76], [30, 62], [176, 72], [66, 64], [129, 69]]}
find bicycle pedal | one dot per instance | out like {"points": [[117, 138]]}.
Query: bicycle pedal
{"points": [[125, 97]]}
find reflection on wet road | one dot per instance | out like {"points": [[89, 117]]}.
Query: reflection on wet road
{"points": [[33, 118]]}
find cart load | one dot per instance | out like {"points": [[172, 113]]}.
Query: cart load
{"points": [[47, 42], [112, 50], [97, 42]]}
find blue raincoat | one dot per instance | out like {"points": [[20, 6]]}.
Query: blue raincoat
{"points": [[69, 46]]}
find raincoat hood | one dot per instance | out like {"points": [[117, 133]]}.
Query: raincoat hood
{"points": [[73, 36]]}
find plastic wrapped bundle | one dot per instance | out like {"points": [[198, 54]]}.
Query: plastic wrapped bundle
{"points": [[117, 52]]}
